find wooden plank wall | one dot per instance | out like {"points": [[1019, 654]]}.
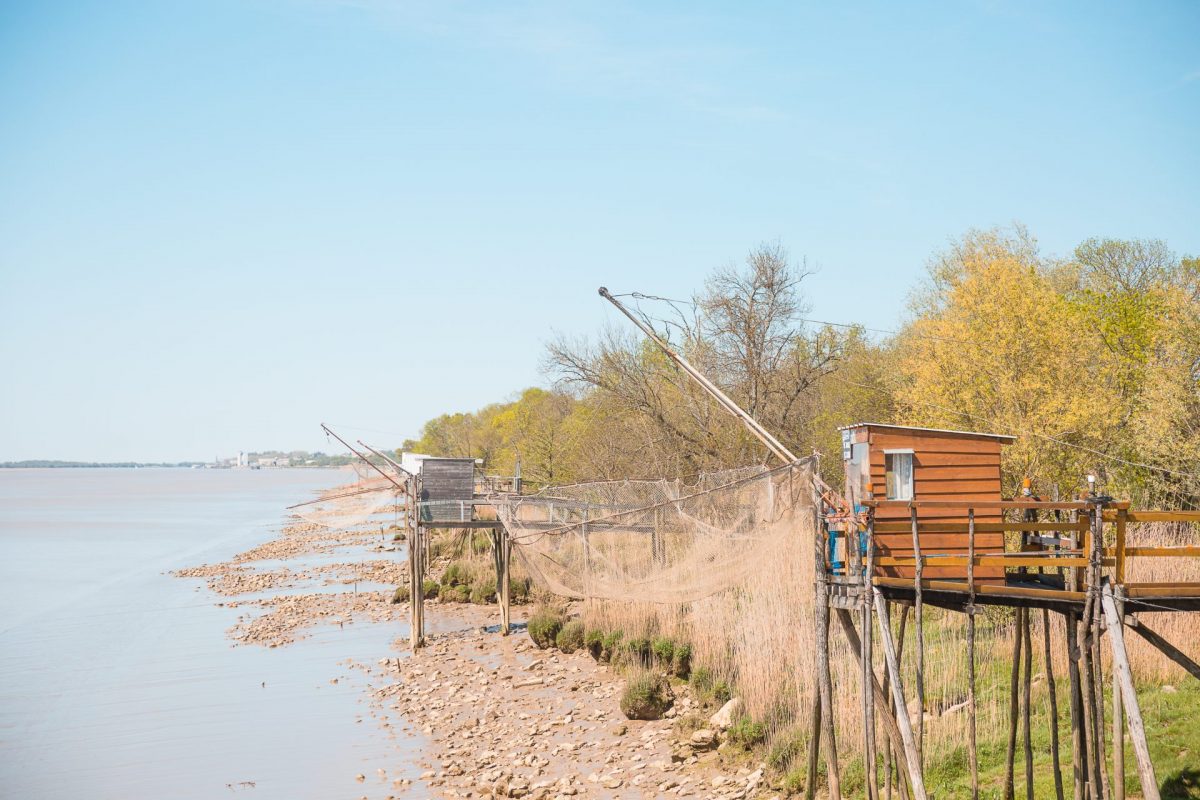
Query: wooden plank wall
{"points": [[945, 467], [447, 479]]}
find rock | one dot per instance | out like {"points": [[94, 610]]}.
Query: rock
{"points": [[360, 778], [703, 739], [1169, 689], [723, 719], [611, 782]]}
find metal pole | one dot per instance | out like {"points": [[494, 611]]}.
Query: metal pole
{"points": [[761, 433]]}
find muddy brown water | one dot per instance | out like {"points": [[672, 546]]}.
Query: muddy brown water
{"points": [[117, 679]]}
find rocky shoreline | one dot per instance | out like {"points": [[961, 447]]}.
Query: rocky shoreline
{"points": [[496, 716]]}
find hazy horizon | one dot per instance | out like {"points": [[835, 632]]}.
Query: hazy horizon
{"points": [[224, 223]]}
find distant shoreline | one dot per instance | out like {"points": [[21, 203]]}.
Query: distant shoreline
{"points": [[37, 464]]}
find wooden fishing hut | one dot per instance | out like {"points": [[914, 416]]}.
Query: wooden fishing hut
{"points": [[923, 522], [902, 463]]}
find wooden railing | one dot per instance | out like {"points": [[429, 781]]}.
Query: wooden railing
{"points": [[1069, 554]]}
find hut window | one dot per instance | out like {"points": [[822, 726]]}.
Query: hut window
{"points": [[899, 467]]}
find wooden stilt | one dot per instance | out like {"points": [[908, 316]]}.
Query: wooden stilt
{"points": [[501, 552], [415, 577], [972, 744], [918, 573], [1053, 693], [1088, 701], [814, 750], [506, 585], [1118, 727], [1094, 585], [1123, 682], [882, 700], [825, 686], [1025, 704], [1014, 687], [868, 669], [916, 778], [824, 678], [888, 762], [1079, 755], [1098, 688]]}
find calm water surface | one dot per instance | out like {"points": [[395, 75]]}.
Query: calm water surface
{"points": [[117, 680]]}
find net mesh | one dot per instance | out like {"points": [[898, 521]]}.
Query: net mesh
{"points": [[365, 503], [664, 542]]}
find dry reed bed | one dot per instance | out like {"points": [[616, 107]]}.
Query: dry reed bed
{"points": [[759, 636]]}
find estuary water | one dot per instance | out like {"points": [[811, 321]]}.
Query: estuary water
{"points": [[117, 679]]}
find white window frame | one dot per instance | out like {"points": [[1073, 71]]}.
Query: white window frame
{"points": [[894, 489]]}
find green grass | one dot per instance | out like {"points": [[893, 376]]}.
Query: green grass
{"points": [[1173, 730]]}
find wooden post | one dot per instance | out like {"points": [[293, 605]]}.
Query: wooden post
{"points": [[656, 548], [587, 547], [918, 607], [1123, 678], [971, 700], [1095, 580], [868, 669], [416, 560], [1088, 700], [1122, 518], [814, 749], [824, 678], [1118, 720], [882, 701], [1167, 649], [1025, 705], [1079, 754], [916, 777], [1014, 687], [887, 755], [501, 552], [1050, 688], [506, 607], [901, 639]]}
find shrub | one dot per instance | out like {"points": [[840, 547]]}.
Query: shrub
{"points": [[594, 641], [638, 651], [457, 574], [721, 692], [518, 590], [455, 594], [747, 733], [646, 696], [570, 638], [786, 749], [793, 782], [483, 591], [681, 664], [438, 547], [430, 589], [401, 594], [610, 645], [702, 681], [544, 626], [664, 651]]}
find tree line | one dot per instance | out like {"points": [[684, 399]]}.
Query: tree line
{"points": [[1092, 360]]}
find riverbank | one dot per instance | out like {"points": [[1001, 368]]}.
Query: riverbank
{"points": [[486, 716]]}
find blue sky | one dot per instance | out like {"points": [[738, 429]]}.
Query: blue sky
{"points": [[224, 222]]}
